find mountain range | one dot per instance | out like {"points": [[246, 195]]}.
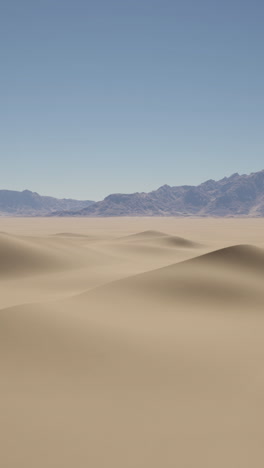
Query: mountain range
{"points": [[27, 203], [237, 195]]}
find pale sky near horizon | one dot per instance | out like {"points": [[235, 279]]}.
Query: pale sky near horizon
{"points": [[111, 96]]}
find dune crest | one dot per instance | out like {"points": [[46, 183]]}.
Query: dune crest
{"points": [[241, 256], [145, 234], [160, 239]]}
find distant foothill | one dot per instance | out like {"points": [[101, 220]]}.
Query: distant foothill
{"points": [[237, 195]]}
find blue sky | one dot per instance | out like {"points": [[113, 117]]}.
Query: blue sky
{"points": [[111, 96]]}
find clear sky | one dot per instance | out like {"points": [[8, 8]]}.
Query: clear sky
{"points": [[111, 96]]}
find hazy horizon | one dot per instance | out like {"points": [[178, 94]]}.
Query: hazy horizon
{"points": [[143, 191]]}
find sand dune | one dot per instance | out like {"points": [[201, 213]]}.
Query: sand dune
{"points": [[174, 241], [149, 234], [151, 245], [123, 346], [237, 256], [218, 279], [20, 257], [71, 234], [160, 239]]}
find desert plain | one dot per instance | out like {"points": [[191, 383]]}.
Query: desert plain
{"points": [[131, 343]]}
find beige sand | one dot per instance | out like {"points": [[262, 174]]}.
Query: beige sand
{"points": [[132, 343]]}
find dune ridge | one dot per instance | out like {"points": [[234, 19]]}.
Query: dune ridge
{"points": [[217, 278], [160, 238]]}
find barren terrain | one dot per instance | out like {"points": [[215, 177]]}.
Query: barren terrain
{"points": [[132, 343]]}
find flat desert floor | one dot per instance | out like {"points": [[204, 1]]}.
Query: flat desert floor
{"points": [[131, 343]]}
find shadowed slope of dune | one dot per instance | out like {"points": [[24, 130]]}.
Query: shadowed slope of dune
{"points": [[60, 265], [19, 256], [152, 244], [175, 241], [247, 257], [149, 234], [231, 276], [159, 239], [71, 234], [24, 253]]}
